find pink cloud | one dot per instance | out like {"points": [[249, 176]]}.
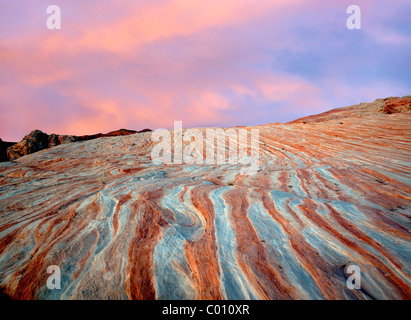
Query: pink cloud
{"points": [[145, 64]]}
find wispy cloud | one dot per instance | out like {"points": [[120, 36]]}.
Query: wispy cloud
{"points": [[236, 62]]}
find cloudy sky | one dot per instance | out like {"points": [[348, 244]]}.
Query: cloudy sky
{"points": [[144, 63]]}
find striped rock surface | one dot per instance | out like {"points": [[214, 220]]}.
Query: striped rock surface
{"points": [[331, 190]]}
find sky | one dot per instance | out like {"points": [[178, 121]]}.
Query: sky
{"points": [[139, 64]]}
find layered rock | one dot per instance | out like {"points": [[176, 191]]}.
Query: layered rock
{"points": [[386, 106], [56, 139], [33, 142], [330, 193], [38, 140], [397, 106]]}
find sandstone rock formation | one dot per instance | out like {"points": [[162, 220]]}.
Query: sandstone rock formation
{"points": [[387, 106], [333, 190], [33, 142], [38, 140], [397, 106]]}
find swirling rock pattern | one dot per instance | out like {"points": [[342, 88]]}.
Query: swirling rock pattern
{"points": [[331, 190], [38, 140]]}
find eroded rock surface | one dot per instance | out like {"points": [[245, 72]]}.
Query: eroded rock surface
{"points": [[330, 192], [33, 142], [38, 140]]}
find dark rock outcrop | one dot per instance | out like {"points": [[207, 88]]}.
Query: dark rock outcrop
{"points": [[56, 139], [38, 140], [33, 142], [3, 152], [3, 149]]}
